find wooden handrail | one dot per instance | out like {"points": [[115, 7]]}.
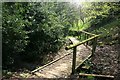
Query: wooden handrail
{"points": [[87, 33], [93, 38], [82, 42]]}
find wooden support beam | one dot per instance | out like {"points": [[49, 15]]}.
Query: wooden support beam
{"points": [[94, 46], [74, 60], [84, 36], [96, 75], [87, 36], [80, 35]]}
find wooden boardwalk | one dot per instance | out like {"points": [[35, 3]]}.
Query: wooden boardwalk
{"points": [[72, 57], [63, 67]]}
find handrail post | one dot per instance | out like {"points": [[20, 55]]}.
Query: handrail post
{"points": [[87, 38], [84, 36], [94, 46], [80, 36], [74, 60]]}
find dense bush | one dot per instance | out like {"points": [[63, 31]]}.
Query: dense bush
{"points": [[14, 35], [28, 32], [45, 32], [31, 30]]}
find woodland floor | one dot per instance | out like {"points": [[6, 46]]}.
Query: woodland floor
{"points": [[106, 60]]}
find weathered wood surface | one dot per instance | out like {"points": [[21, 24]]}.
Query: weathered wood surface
{"points": [[96, 75], [74, 60], [63, 67]]}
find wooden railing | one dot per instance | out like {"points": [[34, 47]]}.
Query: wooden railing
{"points": [[87, 39]]}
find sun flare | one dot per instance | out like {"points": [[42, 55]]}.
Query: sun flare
{"points": [[77, 2]]}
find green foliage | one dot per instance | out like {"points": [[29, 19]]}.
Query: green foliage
{"points": [[109, 33], [14, 35], [45, 33], [32, 30], [104, 20]]}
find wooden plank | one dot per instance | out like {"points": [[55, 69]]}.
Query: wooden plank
{"points": [[96, 75]]}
